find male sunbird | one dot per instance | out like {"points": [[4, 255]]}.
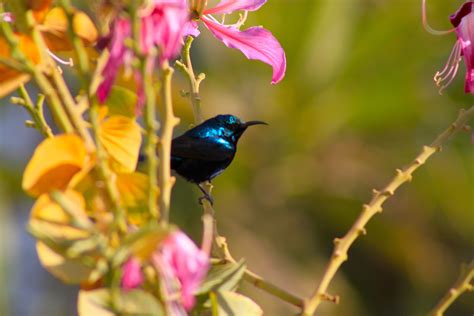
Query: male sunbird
{"points": [[205, 151]]}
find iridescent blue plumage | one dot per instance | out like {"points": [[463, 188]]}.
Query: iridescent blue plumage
{"points": [[205, 151]]}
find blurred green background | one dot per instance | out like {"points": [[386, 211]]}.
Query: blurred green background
{"points": [[357, 102]]}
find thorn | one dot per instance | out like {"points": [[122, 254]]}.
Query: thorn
{"points": [[452, 291], [467, 128], [418, 161], [17, 100], [365, 207], [398, 171], [388, 193], [30, 124], [336, 241], [454, 126], [331, 298], [362, 231], [201, 77]]}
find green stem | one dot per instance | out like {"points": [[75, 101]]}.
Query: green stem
{"points": [[342, 245], [462, 284], [151, 127], [36, 112], [36, 71], [169, 121], [186, 66]]}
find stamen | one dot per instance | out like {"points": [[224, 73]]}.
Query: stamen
{"points": [[59, 60], [446, 76], [427, 27], [223, 18], [242, 19]]}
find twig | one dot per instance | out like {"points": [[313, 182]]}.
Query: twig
{"points": [[54, 102], [169, 121], [462, 284], [36, 111], [186, 66], [342, 245], [220, 244]]}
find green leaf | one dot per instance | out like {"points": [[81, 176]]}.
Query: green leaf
{"points": [[223, 277], [235, 304], [130, 303], [122, 101]]}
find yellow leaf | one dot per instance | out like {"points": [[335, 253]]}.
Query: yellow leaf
{"points": [[133, 188], [71, 271], [51, 221], [55, 24], [121, 138], [54, 163]]}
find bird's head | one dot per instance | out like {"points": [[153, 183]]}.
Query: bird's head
{"points": [[231, 126]]}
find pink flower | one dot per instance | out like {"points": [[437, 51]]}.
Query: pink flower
{"points": [[255, 42], [463, 22], [178, 259], [163, 24], [132, 276]]}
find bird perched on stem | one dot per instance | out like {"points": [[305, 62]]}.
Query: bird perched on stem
{"points": [[205, 151]]}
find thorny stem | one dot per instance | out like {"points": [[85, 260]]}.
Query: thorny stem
{"points": [[342, 245], [222, 250], [35, 110], [151, 126], [209, 221], [169, 121], [186, 66], [462, 284]]}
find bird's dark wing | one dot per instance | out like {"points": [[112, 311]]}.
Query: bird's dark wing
{"points": [[209, 149]]}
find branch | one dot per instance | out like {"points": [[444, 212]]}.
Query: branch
{"points": [[151, 127], [209, 221], [186, 66], [169, 121], [35, 70], [462, 284], [342, 245], [35, 110]]}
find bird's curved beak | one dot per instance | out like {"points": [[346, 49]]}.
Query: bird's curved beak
{"points": [[250, 123]]}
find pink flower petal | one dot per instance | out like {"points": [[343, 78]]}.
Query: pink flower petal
{"points": [[178, 257], [463, 20], [255, 43], [132, 276], [121, 30], [229, 6], [191, 29]]}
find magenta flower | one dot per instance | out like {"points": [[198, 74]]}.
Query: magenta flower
{"points": [[463, 22], [178, 259], [162, 25], [255, 42], [132, 276]]}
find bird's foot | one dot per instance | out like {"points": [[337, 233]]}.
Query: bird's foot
{"points": [[206, 197]]}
